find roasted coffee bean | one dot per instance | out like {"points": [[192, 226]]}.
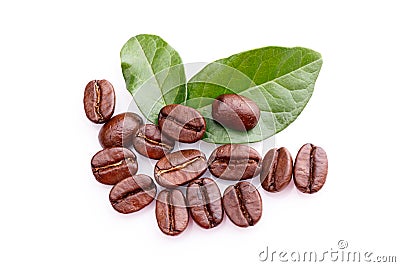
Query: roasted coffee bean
{"points": [[243, 204], [236, 112], [310, 168], [181, 123], [276, 169], [234, 162], [204, 202], [133, 193], [171, 212], [112, 165], [120, 130], [150, 143], [99, 101], [180, 167]]}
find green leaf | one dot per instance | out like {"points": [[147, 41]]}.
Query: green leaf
{"points": [[153, 73], [280, 80]]}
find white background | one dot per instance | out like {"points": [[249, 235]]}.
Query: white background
{"points": [[54, 213]]}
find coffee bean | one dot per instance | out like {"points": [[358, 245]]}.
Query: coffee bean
{"points": [[236, 112], [99, 101], [180, 167], [171, 212], [243, 204], [204, 202], [112, 165], [150, 143], [133, 193], [310, 168], [234, 162], [181, 123], [120, 130], [276, 170]]}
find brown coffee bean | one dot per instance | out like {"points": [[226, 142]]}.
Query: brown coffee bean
{"points": [[276, 170], [150, 143], [204, 202], [171, 212], [133, 193], [310, 168], [112, 165], [120, 130], [181, 123], [234, 162], [180, 167], [243, 204], [99, 101], [236, 112]]}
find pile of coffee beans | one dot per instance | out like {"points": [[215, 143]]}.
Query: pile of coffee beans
{"points": [[187, 193]]}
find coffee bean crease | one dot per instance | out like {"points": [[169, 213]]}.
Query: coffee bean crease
{"points": [[206, 200], [179, 167], [242, 205], [171, 213], [312, 157], [128, 194], [128, 160], [234, 162], [273, 176], [187, 126], [98, 99], [141, 135]]}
